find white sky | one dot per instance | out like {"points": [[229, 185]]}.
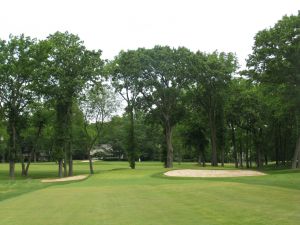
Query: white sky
{"points": [[113, 25]]}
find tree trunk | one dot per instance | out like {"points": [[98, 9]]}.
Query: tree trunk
{"points": [[250, 157], [60, 168], [234, 146], [213, 138], [241, 153], [296, 162], [64, 133], [266, 159], [23, 173], [34, 157], [247, 149], [70, 165], [131, 147], [12, 147], [276, 149], [284, 149], [259, 149], [164, 148], [12, 169], [65, 161], [259, 158], [200, 158], [91, 164], [203, 158], [27, 168], [222, 156], [168, 137]]}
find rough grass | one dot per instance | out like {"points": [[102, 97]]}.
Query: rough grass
{"points": [[116, 195]]}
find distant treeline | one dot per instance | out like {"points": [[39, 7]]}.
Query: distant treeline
{"points": [[58, 100]]}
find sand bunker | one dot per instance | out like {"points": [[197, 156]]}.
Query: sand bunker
{"points": [[79, 177], [213, 173], [86, 161]]}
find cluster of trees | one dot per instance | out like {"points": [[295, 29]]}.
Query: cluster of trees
{"points": [[58, 97]]}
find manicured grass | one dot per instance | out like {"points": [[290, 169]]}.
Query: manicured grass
{"points": [[118, 195]]}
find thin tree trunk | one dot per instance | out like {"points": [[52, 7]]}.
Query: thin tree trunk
{"points": [[250, 158], [234, 146], [12, 150], [299, 160], [91, 164], [200, 158], [3, 157], [241, 153], [259, 149], [296, 162], [247, 149], [213, 138], [203, 158], [131, 150], [27, 168], [27, 165], [169, 145], [65, 165], [276, 148], [266, 159], [12, 169], [23, 165], [60, 168], [222, 156], [70, 165], [34, 157], [284, 152]]}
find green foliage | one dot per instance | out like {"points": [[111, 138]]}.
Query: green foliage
{"points": [[275, 63]]}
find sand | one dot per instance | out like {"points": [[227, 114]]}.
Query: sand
{"points": [[79, 177], [213, 173], [86, 161]]}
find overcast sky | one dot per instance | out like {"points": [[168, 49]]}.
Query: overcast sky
{"points": [[113, 25]]}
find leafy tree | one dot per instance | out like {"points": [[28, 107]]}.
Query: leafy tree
{"points": [[194, 137], [115, 134], [68, 68], [18, 63], [208, 82], [126, 71], [275, 60], [163, 76], [31, 135], [98, 106]]}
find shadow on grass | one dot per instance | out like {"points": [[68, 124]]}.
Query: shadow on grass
{"points": [[23, 185]]}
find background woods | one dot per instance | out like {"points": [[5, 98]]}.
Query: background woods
{"points": [[60, 101]]}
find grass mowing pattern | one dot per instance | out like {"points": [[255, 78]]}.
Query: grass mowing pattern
{"points": [[118, 195]]}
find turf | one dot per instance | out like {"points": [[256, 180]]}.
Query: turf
{"points": [[118, 195]]}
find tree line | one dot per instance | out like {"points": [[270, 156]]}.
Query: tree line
{"points": [[58, 97]]}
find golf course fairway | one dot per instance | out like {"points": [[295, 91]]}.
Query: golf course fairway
{"points": [[117, 195]]}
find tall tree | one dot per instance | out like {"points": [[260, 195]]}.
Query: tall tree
{"points": [[17, 68], [163, 76], [98, 106], [276, 60], [208, 82], [39, 118], [126, 70], [68, 68]]}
